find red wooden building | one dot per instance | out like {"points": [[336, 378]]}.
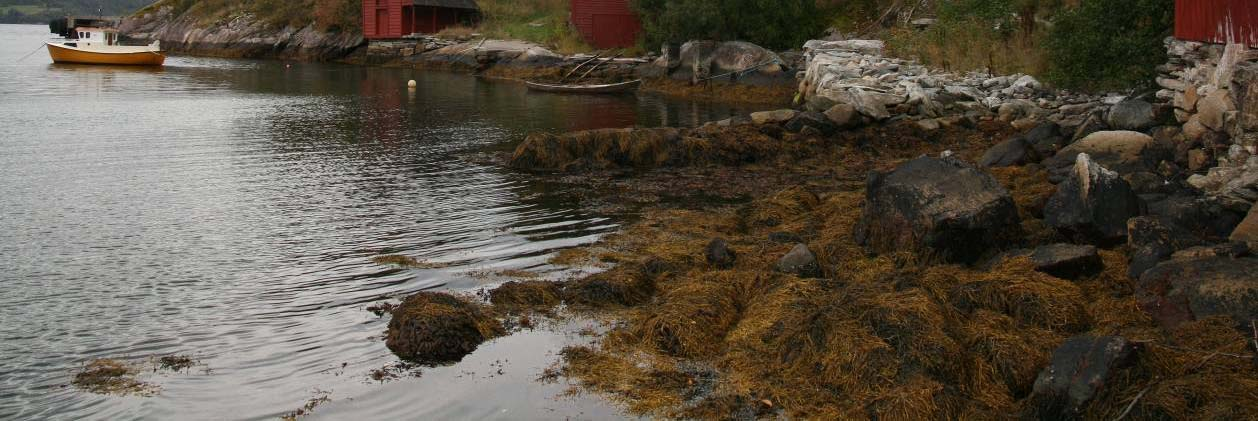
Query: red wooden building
{"points": [[1217, 21], [606, 23], [384, 19]]}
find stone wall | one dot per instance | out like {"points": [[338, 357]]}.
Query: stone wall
{"points": [[1215, 99]]}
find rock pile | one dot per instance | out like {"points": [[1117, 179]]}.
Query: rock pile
{"points": [[855, 73]]}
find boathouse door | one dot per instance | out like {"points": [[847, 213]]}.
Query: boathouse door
{"points": [[382, 22]]}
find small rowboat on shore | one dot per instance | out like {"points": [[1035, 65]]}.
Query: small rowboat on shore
{"points": [[611, 88]]}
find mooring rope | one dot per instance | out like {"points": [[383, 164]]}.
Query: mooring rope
{"points": [[30, 53]]}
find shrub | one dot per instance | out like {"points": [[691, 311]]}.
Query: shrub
{"points": [[994, 35], [1109, 44], [778, 24]]}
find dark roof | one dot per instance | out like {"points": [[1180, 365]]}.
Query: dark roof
{"points": [[452, 4]]}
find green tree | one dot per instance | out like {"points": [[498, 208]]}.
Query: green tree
{"points": [[1105, 44], [779, 24]]}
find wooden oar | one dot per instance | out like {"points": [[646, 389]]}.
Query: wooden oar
{"points": [[592, 69], [579, 66]]}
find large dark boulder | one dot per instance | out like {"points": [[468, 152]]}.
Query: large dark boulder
{"points": [[1093, 205], [437, 328], [1182, 290], [801, 262], [1081, 368], [1013, 152], [942, 209]]}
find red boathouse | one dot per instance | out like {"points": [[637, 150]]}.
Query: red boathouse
{"points": [[606, 23], [1217, 21], [386, 19]]}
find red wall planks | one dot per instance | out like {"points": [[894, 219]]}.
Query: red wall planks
{"points": [[606, 23], [1217, 21], [392, 19]]}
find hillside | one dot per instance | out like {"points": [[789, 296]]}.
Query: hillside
{"points": [[41, 11]]}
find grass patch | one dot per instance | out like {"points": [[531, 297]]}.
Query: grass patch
{"points": [[543, 22]]}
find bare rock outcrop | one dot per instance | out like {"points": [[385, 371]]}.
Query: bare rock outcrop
{"points": [[240, 36]]}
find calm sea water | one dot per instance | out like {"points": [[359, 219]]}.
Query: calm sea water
{"points": [[228, 209]]}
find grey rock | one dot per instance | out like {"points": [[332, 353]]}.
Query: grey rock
{"points": [[1046, 139], [1079, 370], [1091, 125], [773, 117], [1247, 230], [801, 262], [814, 120], [1013, 152], [1121, 151], [1093, 205], [1067, 261], [1213, 107], [1132, 114], [843, 115]]}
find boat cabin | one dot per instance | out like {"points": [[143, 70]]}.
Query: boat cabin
{"points": [[84, 35], [70, 27], [393, 19]]}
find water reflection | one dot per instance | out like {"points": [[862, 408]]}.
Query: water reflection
{"points": [[229, 209]]}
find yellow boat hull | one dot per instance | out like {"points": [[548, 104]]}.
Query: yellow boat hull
{"points": [[63, 54]]}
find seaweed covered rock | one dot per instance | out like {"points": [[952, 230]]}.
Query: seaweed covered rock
{"points": [[515, 295], [1093, 205], [1079, 370], [612, 288], [606, 148], [641, 148], [801, 262], [939, 208], [1182, 290], [431, 327]]}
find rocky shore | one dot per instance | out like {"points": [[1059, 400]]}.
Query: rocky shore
{"points": [[241, 37], [730, 71], [913, 244]]}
